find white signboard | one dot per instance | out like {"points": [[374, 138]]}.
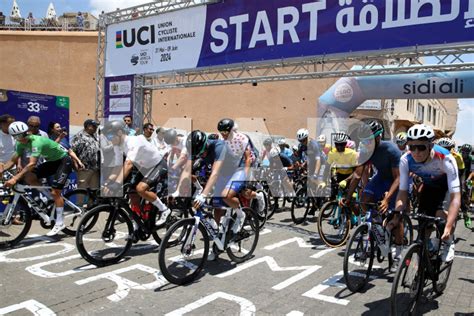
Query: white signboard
{"points": [[159, 43], [371, 105], [119, 104]]}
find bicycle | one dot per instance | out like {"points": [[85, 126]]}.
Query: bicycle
{"points": [[334, 221], [369, 237], [420, 262], [22, 207], [106, 232], [182, 260]]}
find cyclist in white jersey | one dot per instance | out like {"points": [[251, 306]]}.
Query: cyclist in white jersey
{"points": [[437, 167]]}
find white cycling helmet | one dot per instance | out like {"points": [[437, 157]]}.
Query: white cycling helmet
{"points": [[401, 138], [273, 153], [421, 132], [340, 137], [17, 128], [295, 148], [321, 138], [446, 142], [281, 141], [301, 134]]}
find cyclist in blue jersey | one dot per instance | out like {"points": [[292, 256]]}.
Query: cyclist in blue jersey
{"points": [[437, 167], [310, 149], [383, 187]]}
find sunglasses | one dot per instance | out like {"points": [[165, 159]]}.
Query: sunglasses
{"points": [[19, 136], [417, 147], [33, 126]]}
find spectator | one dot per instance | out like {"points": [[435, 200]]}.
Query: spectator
{"points": [[129, 122], [58, 134], [34, 124], [30, 19], [80, 21], [7, 143], [111, 158], [2, 18], [86, 146], [159, 140], [148, 132]]}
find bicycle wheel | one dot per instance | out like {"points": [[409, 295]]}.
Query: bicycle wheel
{"points": [[443, 269], [272, 205], [242, 245], [407, 230], [13, 231], [408, 282], [358, 259], [108, 239], [175, 216], [300, 206], [84, 201], [334, 224], [182, 262]]}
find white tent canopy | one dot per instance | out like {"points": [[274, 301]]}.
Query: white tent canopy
{"points": [[15, 11], [51, 12]]}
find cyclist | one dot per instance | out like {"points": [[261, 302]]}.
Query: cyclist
{"points": [[57, 163], [178, 150], [145, 157], [267, 147], [341, 157], [466, 150], [401, 141], [310, 149], [383, 186], [437, 167], [326, 148], [284, 148], [280, 164]]}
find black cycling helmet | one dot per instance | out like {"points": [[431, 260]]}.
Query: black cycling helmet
{"points": [[196, 143], [170, 136], [371, 129], [113, 127], [267, 142], [466, 148], [213, 136], [225, 125]]}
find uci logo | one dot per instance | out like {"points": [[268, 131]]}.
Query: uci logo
{"points": [[134, 59]]}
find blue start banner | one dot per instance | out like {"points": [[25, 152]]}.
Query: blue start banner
{"points": [[243, 31]]}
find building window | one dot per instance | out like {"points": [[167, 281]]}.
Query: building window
{"points": [[420, 115], [429, 113], [434, 116]]}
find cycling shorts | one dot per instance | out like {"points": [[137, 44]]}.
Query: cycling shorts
{"points": [[377, 188], [58, 169]]}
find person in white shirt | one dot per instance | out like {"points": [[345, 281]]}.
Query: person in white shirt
{"points": [[145, 157], [179, 153], [7, 143]]}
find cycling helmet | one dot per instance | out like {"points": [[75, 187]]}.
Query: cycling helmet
{"points": [[401, 138], [267, 142], [466, 147], [340, 138], [113, 127], [375, 127], [274, 153], [170, 136], [196, 143], [17, 128], [321, 138], [225, 125], [213, 136], [301, 134], [282, 141], [351, 144], [420, 132], [295, 148], [446, 142]]}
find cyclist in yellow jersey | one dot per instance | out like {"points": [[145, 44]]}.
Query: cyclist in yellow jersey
{"points": [[342, 158]]}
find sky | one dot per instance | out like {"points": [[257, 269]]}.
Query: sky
{"points": [[465, 125]]}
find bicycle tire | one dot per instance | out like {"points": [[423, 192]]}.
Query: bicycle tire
{"points": [[251, 225], [272, 206], [71, 218], [358, 238], [339, 239], [303, 202], [175, 216], [122, 226], [23, 213], [262, 216], [187, 226], [440, 284], [411, 257]]}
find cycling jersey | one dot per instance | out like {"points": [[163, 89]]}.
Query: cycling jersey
{"points": [[343, 161], [385, 157], [142, 153], [279, 161], [459, 161], [312, 152], [238, 143], [436, 172], [40, 146]]}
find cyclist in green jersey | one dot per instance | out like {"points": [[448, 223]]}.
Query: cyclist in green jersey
{"points": [[57, 164]]}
